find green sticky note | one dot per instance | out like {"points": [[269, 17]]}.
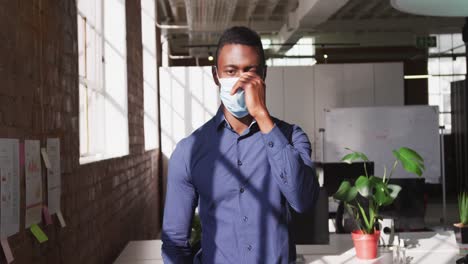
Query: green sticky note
{"points": [[38, 233]]}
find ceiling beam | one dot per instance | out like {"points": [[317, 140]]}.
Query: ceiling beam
{"points": [[370, 6], [250, 9], [270, 7], [344, 11], [385, 9], [422, 25]]}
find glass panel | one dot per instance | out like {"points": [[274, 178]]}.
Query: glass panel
{"points": [[459, 65], [83, 111]]}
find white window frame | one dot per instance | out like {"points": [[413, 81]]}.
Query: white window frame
{"points": [[149, 54], [96, 150], [436, 75]]}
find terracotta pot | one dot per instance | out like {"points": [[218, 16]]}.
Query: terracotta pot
{"points": [[365, 244]]}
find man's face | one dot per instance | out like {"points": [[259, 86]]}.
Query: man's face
{"points": [[235, 59]]}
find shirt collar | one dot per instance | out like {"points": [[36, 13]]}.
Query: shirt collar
{"points": [[221, 119]]}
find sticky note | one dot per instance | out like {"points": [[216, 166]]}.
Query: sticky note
{"points": [[38, 233], [60, 218], [7, 250], [46, 214], [46, 159]]}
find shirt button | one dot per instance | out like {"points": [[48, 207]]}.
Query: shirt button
{"points": [[271, 144], [249, 247], [239, 163], [241, 189], [245, 218]]}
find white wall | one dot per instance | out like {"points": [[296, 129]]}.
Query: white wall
{"points": [[296, 94]]}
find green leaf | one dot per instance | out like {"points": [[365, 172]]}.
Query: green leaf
{"points": [[463, 207], [394, 190], [345, 192], [381, 193], [411, 161], [355, 155], [363, 186]]}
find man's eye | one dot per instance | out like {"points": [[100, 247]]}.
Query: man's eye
{"points": [[230, 72]]}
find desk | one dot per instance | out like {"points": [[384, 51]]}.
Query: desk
{"points": [[422, 247]]}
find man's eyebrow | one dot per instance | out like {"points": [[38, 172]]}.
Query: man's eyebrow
{"points": [[253, 66], [230, 66]]}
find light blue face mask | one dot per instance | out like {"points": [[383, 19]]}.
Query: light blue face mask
{"points": [[235, 104]]}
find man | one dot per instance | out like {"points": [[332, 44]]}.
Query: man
{"points": [[243, 168]]}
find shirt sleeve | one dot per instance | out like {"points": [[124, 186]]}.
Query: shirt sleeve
{"points": [[181, 201], [292, 167]]}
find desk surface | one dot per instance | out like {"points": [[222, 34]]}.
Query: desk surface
{"points": [[421, 247]]}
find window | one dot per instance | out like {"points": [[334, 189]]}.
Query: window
{"points": [[150, 96], [446, 64], [303, 47], [103, 113]]}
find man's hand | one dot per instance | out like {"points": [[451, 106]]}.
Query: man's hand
{"points": [[254, 88]]}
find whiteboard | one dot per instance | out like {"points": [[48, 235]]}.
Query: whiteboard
{"points": [[376, 131]]}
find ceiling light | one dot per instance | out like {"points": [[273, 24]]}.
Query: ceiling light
{"points": [[446, 8], [210, 56], [410, 77]]}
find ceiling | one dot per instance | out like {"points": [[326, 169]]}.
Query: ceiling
{"points": [[286, 21]]}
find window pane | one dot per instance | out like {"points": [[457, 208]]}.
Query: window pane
{"points": [[446, 65], [103, 83], [83, 111], [459, 65], [458, 41], [450, 69]]}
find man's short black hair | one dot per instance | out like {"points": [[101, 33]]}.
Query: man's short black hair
{"points": [[243, 36]]}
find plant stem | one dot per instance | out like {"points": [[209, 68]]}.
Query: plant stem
{"points": [[368, 228], [393, 169], [385, 173], [365, 169]]}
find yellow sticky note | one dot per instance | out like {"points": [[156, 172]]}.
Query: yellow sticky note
{"points": [[38, 233]]}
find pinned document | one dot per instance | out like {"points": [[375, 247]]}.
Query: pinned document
{"points": [[61, 220], [7, 250], [10, 187], [45, 157], [33, 181]]}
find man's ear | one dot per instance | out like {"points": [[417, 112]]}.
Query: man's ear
{"points": [[215, 75]]}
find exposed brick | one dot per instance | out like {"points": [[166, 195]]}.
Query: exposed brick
{"points": [[102, 201]]}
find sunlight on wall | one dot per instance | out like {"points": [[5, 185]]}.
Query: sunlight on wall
{"points": [[189, 98]]}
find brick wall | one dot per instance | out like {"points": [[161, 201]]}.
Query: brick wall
{"points": [[107, 203]]}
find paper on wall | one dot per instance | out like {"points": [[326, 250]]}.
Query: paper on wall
{"points": [[61, 220], [7, 251], [33, 182], [53, 175], [10, 192]]}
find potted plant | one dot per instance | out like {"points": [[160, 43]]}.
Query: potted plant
{"points": [[369, 193], [461, 229]]}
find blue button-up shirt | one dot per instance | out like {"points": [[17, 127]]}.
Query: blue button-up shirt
{"points": [[244, 186]]}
